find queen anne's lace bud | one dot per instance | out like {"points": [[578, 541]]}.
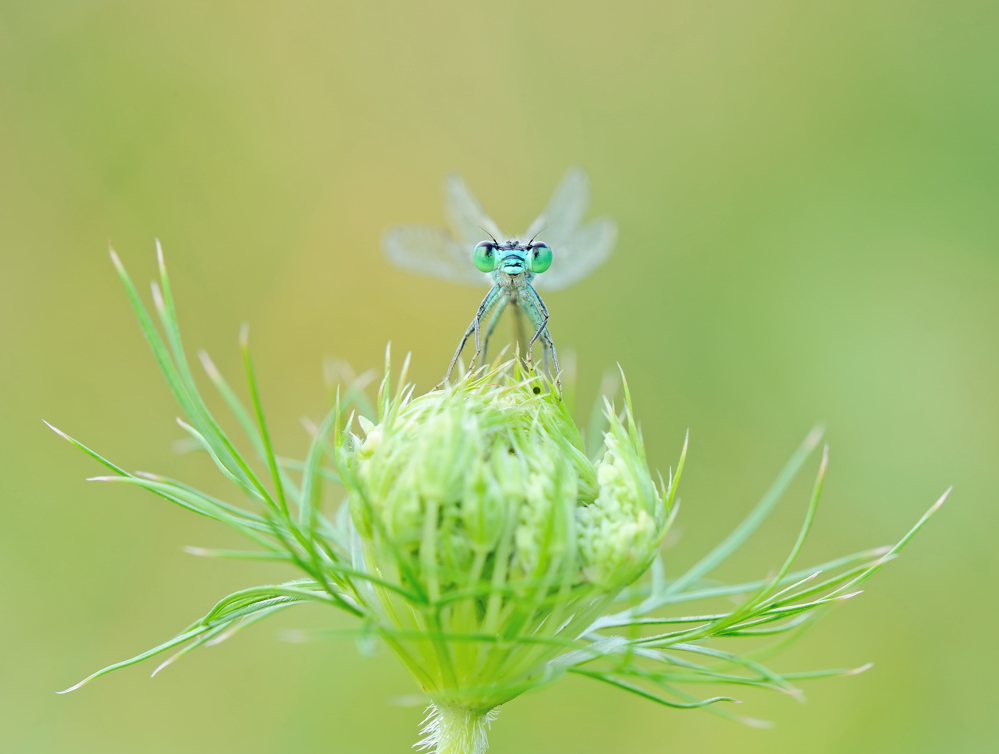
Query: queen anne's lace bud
{"points": [[496, 539]]}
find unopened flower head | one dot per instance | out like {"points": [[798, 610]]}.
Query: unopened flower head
{"points": [[479, 502]]}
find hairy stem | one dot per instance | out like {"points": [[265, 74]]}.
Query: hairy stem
{"points": [[456, 730]]}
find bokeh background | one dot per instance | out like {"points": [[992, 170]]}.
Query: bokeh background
{"points": [[809, 230]]}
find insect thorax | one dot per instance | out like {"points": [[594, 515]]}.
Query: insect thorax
{"points": [[515, 282]]}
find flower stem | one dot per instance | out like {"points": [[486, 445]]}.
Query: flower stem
{"points": [[456, 730]]}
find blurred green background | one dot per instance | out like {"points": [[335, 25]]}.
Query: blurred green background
{"points": [[807, 199]]}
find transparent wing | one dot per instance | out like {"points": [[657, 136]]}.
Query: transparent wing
{"points": [[468, 221], [431, 251], [565, 209], [587, 248]]}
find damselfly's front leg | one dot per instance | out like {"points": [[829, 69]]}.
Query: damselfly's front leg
{"points": [[500, 306], [518, 328], [537, 313], [491, 299]]}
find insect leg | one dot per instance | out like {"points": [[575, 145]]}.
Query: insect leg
{"points": [[518, 327], [487, 303], [500, 306], [495, 299], [537, 313], [547, 340]]}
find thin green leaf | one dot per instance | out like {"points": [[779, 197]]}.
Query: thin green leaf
{"points": [[311, 484], [597, 676], [743, 531], [244, 341], [901, 544]]}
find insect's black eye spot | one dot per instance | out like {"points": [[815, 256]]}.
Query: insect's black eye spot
{"points": [[537, 390]]}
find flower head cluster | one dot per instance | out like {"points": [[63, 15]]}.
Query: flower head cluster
{"points": [[495, 539]]}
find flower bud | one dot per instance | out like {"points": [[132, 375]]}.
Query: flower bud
{"points": [[492, 539]]}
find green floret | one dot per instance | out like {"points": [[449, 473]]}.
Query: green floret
{"points": [[481, 498]]}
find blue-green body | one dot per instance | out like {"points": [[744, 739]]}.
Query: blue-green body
{"points": [[514, 267]]}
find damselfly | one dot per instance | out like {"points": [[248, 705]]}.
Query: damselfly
{"points": [[569, 252]]}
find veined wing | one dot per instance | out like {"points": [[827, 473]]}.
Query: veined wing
{"points": [[584, 251], [431, 251], [468, 221], [565, 209]]}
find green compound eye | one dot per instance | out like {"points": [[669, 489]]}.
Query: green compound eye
{"points": [[484, 257], [541, 257]]}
